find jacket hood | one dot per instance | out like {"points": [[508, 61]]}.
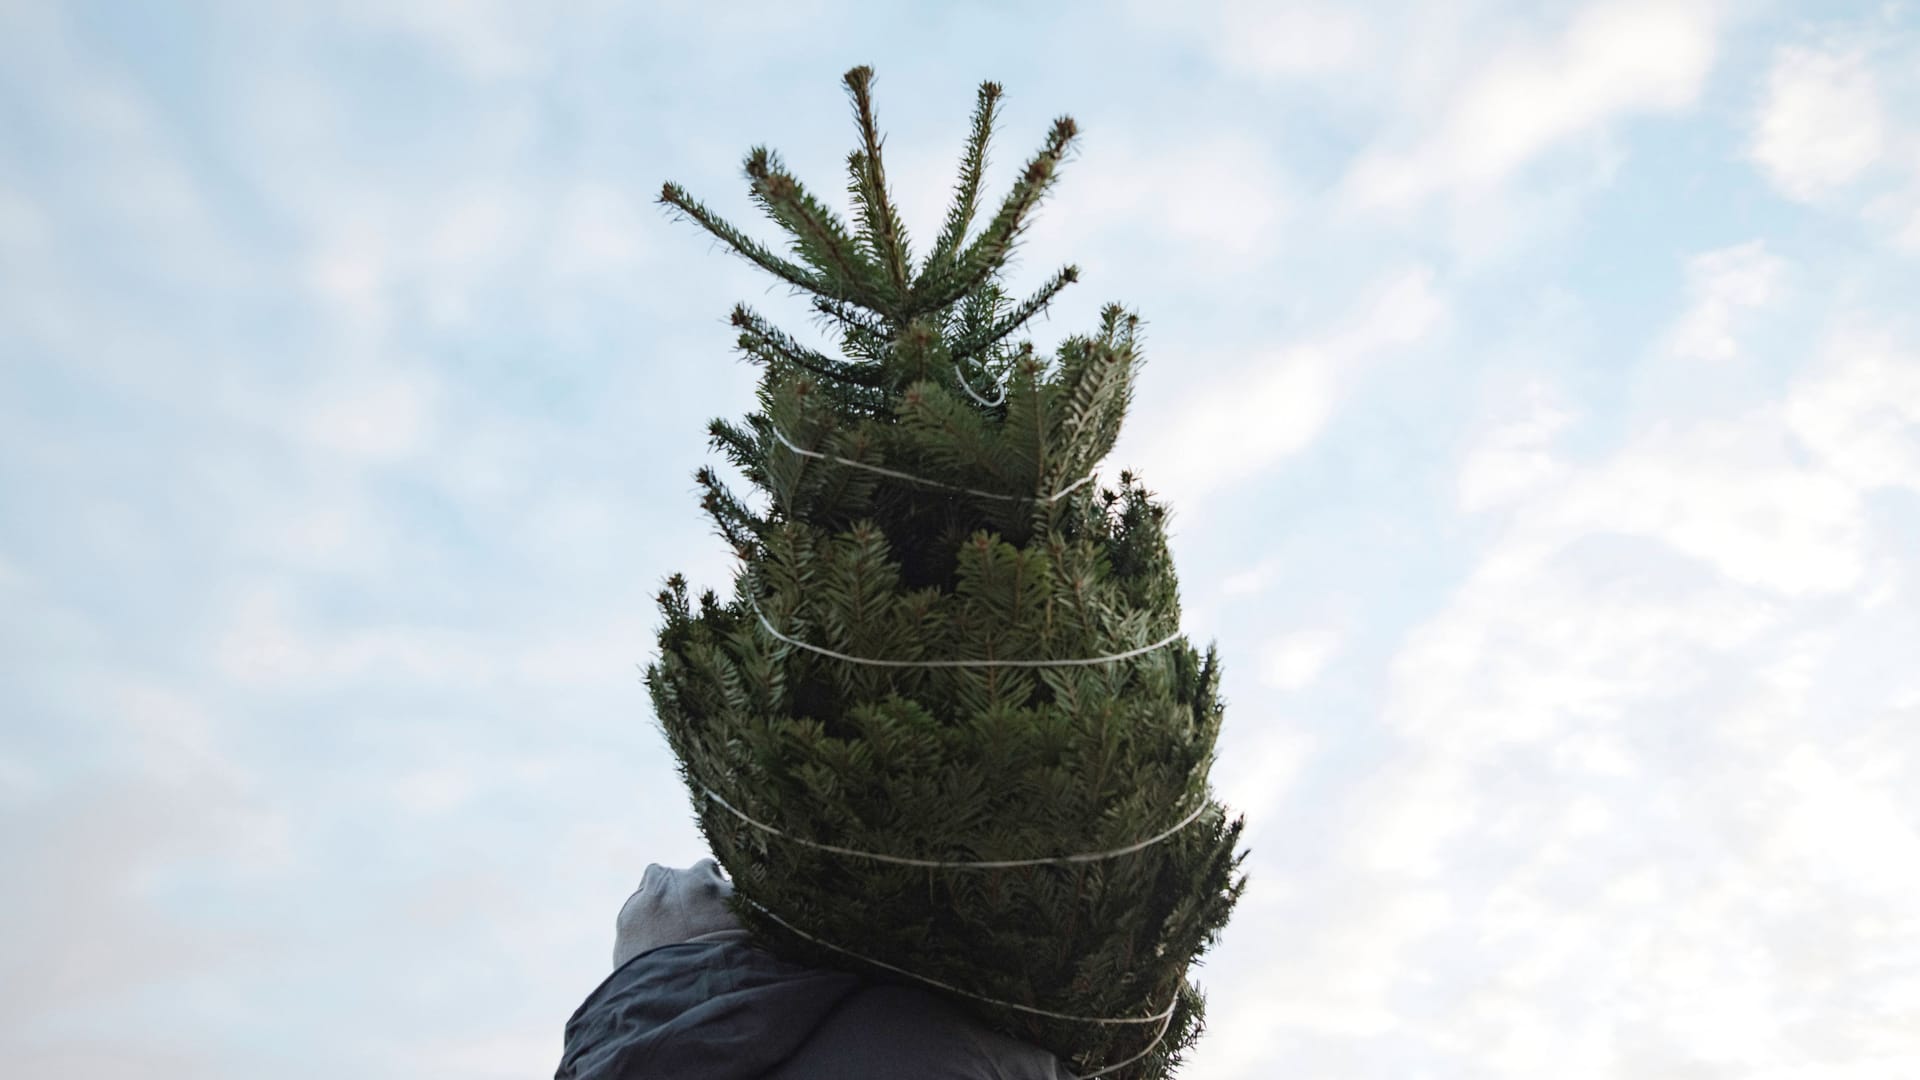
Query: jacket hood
{"points": [[709, 1009], [721, 1009]]}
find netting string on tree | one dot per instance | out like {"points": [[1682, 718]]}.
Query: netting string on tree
{"points": [[949, 698], [1163, 1016], [1067, 662], [975, 395], [898, 475], [972, 864]]}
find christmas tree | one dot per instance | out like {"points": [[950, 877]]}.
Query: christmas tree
{"points": [[947, 730]]}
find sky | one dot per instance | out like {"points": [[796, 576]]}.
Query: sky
{"points": [[1536, 389]]}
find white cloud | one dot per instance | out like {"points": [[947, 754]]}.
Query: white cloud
{"points": [[1514, 458], [1342, 980], [1723, 284], [125, 175], [100, 854], [25, 228], [264, 641], [598, 230], [87, 939], [1255, 579], [1896, 212], [1401, 310], [1268, 41], [1729, 493], [477, 227], [1636, 803], [352, 277], [1857, 406], [1254, 775], [499, 1055], [1833, 128], [1293, 661], [434, 790], [485, 39], [1656, 749], [18, 780], [1217, 201], [447, 241], [1271, 413], [1855, 835], [261, 644], [1295, 39], [379, 418], [599, 655], [1822, 123], [1412, 811], [1613, 60], [324, 530], [1684, 865], [1273, 408], [170, 734]]}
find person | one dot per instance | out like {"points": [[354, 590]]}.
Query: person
{"points": [[692, 997]]}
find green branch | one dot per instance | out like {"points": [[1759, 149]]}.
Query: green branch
{"points": [[757, 334], [675, 196], [819, 233], [990, 251], [979, 341], [973, 164], [884, 233]]}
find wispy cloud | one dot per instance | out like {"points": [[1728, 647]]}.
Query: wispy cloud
{"points": [[1514, 458], [1724, 283], [1832, 127], [1822, 122], [1294, 660], [1267, 41], [1591, 716], [353, 384], [1279, 403], [1613, 60]]}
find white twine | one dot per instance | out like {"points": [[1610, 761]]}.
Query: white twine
{"points": [[1164, 1017], [968, 387], [1049, 1013], [898, 475], [982, 864], [1157, 1036], [1073, 661]]}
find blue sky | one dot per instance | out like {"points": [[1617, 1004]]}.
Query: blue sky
{"points": [[1536, 389]]}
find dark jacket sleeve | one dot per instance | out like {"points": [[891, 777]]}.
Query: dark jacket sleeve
{"points": [[901, 1031], [729, 1011], [699, 1012]]}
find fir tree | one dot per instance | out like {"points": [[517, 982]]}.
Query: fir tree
{"points": [[946, 645]]}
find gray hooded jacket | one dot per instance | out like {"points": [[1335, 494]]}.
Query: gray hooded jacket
{"points": [[690, 998]]}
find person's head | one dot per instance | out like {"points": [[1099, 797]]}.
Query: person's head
{"points": [[672, 906]]}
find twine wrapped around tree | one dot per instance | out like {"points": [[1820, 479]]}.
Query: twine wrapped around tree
{"points": [[947, 730]]}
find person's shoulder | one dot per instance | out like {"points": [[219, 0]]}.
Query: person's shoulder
{"points": [[891, 1029], [713, 1009]]}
